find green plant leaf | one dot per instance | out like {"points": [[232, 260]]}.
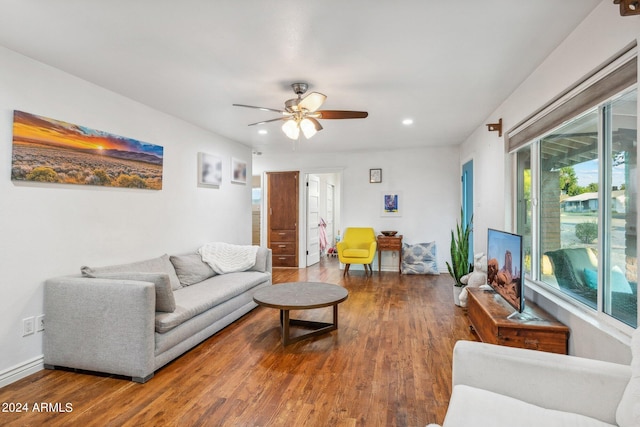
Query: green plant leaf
{"points": [[459, 250]]}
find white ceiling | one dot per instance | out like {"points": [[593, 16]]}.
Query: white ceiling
{"points": [[446, 64]]}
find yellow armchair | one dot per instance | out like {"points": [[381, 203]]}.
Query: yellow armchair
{"points": [[358, 246]]}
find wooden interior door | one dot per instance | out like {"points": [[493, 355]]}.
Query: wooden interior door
{"points": [[282, 223]]}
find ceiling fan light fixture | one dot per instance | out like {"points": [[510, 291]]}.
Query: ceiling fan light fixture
{"points": [[291, 129], [310, 127], [302, 113]]}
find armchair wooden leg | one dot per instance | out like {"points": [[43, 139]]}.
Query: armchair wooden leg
{"points": [[346, 269]]}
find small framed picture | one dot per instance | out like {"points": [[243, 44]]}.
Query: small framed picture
{"points": [[238, 171], [390, 201], [375, 176], [209, 170]]}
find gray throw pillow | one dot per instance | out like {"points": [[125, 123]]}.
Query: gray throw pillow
{"points": [[165, 300], [191, 269], [161, 264]]}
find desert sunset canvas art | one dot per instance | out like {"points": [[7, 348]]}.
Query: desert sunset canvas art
{"points": [[49, 150]]}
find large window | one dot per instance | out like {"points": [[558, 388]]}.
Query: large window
{"points": [[576, 206]]}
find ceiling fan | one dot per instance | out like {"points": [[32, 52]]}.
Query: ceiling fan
{"points": [[302, 113]]}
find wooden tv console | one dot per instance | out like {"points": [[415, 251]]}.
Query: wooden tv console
{"points": [[489, 316]]}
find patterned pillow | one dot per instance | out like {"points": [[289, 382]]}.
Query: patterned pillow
{"points": [[419, 259]]}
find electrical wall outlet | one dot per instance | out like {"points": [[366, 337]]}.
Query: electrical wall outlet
{"points": [[40, 323], [28, 326]]}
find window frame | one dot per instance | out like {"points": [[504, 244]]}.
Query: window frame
{"points": [[603, 107]]}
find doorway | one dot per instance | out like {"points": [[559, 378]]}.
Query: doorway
{"points": [[467, 201], [322, 213], [256, 211]]}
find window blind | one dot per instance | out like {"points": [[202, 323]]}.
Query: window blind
{"points": [[609, 79]]}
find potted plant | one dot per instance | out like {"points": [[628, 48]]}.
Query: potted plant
{"points": [[460, 265]]}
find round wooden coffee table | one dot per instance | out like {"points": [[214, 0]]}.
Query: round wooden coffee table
{"points": [[302, 296]]}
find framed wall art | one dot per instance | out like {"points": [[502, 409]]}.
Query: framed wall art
{"points": [[53, 151], [390, 203], [375, 176], [209, 170], [238, 171]]}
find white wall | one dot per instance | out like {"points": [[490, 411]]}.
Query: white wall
{"points": [[50, 230], [428, 178], [597, 38]]}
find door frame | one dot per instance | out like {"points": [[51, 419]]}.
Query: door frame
{"points": [[466, 178]]}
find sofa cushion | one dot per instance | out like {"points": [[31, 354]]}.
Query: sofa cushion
{"points": [[420, 258], [619, 282], [628, 413], [356, 253], [200, 297], [165, 301], [191, 269], [470, 406], [161, 264]]}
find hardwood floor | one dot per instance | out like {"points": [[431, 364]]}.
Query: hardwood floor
{"points": [[388, 364]]}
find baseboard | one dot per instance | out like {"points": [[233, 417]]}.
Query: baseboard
{"points": [[22, 370]]}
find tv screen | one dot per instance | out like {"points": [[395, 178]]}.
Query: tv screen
{"points": [[504, 266]]}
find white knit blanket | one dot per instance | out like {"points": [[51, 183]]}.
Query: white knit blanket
{"points": [[227, 258]]}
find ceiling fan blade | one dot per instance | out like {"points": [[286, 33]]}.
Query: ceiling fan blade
{"points": [[268, 121], [260, 108], [341, 114], [316, 124], [312, 101]]}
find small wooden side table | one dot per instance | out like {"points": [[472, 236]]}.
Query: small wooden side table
{"points": [[390, 243]]}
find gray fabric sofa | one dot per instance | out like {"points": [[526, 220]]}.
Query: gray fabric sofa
{"points": [[132, 319]]}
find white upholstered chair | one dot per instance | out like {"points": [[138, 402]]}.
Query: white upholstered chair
{"points": [[497, 386]]}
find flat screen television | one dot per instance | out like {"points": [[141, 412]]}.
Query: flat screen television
{"points": [[504, 267]]}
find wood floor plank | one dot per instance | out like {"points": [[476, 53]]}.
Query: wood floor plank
{"points": [[388, 364]]}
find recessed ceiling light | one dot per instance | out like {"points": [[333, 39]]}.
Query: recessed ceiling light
{"points": [[263, 132], [407, 122]]}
